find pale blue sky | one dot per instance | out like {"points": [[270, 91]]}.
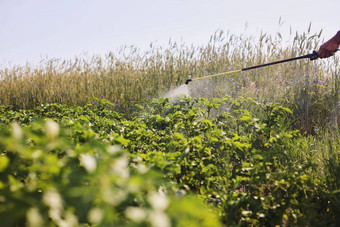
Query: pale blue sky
{"points": [[30, 30]]}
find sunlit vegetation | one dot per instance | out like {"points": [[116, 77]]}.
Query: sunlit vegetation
{"points": [[89, 142]]}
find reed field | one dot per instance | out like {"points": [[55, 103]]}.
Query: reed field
{"points": [[132, 76], [94, 141]]}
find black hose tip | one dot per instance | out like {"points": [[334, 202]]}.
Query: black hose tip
{"points": [[187, 81]]}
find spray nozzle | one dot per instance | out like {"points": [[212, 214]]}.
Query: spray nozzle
{"points": [[187, 81]]}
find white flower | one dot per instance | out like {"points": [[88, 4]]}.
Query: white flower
{"points": [[113, 149], [89, 162], [142, 168], [34, 218], [158, 201], [54, 201], [120, 166], [136, 214], [96, 215], [247, 212], [113, 197], [17, 132], [52, 129], [159, 219]]}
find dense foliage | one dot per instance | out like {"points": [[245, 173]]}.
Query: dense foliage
{"points": [[192, 162]]}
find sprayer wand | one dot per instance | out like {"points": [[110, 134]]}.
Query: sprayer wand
{"points": [[311, 56]]}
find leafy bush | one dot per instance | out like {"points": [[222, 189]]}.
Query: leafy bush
{"points": [[92, 165], [47, 179]]}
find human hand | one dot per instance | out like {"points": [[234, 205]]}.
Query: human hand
{"points": [[328, 48]]}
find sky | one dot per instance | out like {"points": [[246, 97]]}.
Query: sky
{"points": [[32, 30]]}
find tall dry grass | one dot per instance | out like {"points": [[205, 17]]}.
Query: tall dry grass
{"points": [[132, 76]]}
